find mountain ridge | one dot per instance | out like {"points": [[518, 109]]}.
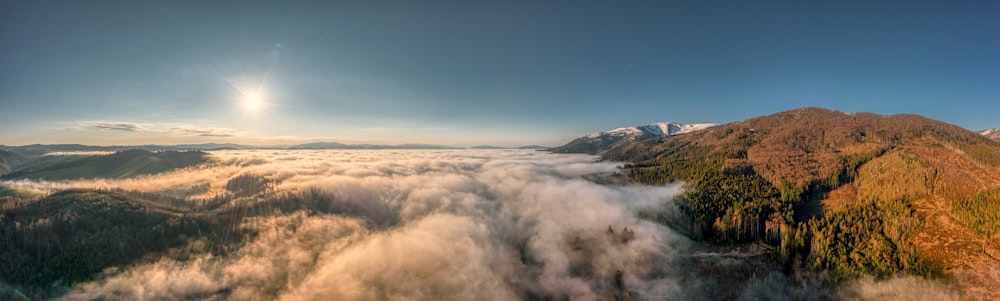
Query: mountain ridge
{"points": [[851, 194], [338, 145], [602, 142]]}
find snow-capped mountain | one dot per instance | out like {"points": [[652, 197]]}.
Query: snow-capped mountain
{"points": [[599, 143], [991, 133], [656, 129]]}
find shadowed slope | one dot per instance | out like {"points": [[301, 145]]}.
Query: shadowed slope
{"points": [[123, 164], [71, 235], [10, 160]]}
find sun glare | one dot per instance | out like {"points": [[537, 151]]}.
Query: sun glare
{"points": [[253, 101]]}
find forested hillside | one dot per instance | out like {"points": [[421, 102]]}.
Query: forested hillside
{"points": [[10, 160], [845, 193], [51, 243], [122, 164]]}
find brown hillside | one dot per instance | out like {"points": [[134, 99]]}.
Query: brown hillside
{"points": [[921, 188], [808, 144]]}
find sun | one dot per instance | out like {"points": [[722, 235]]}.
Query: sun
{"points": [[253, 101]]}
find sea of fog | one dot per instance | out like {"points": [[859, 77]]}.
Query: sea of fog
{"points": [[462, 225]]}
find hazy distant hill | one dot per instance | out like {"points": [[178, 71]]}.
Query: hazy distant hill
{"points": [[123, 164], [600, 143], [849, 193], [337, 145], [502, 147], [203, 146], [9, 160], [539, 147], [34, 150]]}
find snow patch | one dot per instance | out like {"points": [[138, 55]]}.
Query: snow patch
{"points": [[989, 132], [657, 129]]}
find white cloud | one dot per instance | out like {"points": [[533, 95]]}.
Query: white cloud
{"points": [[472, 225], [201, 131], [111, 126], [430, 225], [161, 128]]}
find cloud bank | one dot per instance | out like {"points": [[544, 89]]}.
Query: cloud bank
{"points": [[439, 225], [473, 225]]}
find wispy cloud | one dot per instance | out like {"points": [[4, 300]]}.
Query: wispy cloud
{"points": [[163, 128], [112, 126], [202, 131], [216, 135]]}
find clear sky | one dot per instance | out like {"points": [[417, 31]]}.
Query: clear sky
{"points": [[476, 72]]}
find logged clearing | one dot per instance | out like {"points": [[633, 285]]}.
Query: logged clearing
{"points": [[970, 260]]}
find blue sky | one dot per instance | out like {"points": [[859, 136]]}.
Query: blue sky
{"points": [[476, 72]]}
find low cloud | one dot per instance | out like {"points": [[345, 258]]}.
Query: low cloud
{"points": [[471, 225], [899, 288], [439, 225]]}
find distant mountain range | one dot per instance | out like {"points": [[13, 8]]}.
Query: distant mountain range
{"points": [[991, 133], [43, 149], [74, 161], [537, 147], [338, 145], [603, 142], [36, 160], [35, 150]]}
